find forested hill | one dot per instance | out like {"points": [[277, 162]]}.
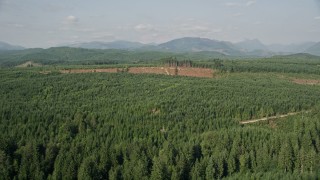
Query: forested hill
{"points": [[129, 126], [191, 44], [67, 55], [80, 56], [299, 57], [295, 63]]}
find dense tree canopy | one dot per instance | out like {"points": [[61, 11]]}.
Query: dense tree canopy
{"points": [[125, 126]]}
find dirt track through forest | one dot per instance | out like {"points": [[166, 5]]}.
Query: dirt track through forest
{"points": [[172, 71], [306, 81], [268, 118]]}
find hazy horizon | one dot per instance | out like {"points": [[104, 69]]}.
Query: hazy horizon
{"points": [[42, 23]]}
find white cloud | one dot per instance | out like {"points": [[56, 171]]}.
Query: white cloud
{"points": [[77, 29], [144, 28], [232, 4], [105, 36], [71, 20], [15, 25], [246, 4], [317, 18], [250, 3], [195, 28]]}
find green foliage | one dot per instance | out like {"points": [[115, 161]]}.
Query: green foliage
{"points": [[103, 125], [298, 63], [79, 56]]}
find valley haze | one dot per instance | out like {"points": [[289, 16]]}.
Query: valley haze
{"points": [[247, 47], [45, 24]]}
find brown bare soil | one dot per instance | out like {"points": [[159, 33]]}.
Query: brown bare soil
{"points": [[180, 71], [29, 64], [306, 81], [195, 72], [110, 70], [155, 111], [269, 118], [172, 71], [148, 70], [45, 72], [272, 124]]}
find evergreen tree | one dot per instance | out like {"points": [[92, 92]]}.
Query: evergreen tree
{"points": [[286, 159], [211, 171], [159, 170]]}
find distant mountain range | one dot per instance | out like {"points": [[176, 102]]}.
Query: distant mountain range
{"points": [[8, 47], [195, 44], [108, 45], [315, 49], [188, 44], [295, 48], [77, 56], [251, 45]]}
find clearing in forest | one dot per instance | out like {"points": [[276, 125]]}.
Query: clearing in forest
{"points": [[111, 70], [306, 81], [172, 71], [268, 118], [29, 64]]}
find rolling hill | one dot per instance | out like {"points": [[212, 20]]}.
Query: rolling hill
{"points": [[108, 45], [251, 45], [68, 55], [298, 58], [118, 51], [315, 49], [290, 48], [187, 44], [195, 44]]}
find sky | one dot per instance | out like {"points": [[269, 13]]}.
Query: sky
{"points": [[47, 23]]}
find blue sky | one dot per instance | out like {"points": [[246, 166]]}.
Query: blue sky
{"points": [[46, 23]]}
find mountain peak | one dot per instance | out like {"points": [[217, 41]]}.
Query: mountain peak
{"points": [[7, 47], [120, 44], [196, 44], [315, 49], [251, 45]]}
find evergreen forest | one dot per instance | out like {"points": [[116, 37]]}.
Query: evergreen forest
{"points": [[148, 126]]}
